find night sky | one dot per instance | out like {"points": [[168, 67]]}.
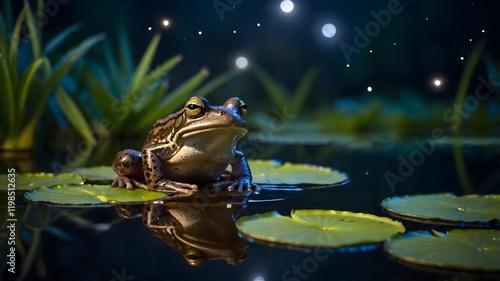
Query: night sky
{"points": [[420, 42]]}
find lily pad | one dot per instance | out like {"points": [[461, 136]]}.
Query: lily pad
{"points": [[446, 208], [263, 172], [68, 194], [273, 172], [97, 173], [318, 228], [29, 181], [464, 249]]}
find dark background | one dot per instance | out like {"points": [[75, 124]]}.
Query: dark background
{"points": [[430, 38]]}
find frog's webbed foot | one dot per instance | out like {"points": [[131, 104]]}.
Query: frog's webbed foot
{"points": [[129, 183], [239, 185], [179, 187]]}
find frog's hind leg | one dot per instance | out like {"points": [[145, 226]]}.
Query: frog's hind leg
{"points": [[128, 167]]}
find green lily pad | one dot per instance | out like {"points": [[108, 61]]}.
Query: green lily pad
{"points": [[446, 208], [97, 173], [464, 249], [318, 228], [263, 172], [68, 194], [273, 172], [29, 181]]}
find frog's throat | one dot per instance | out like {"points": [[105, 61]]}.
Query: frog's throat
{"points": [[237, 132]]}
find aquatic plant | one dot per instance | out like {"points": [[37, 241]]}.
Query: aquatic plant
{"points": [[132, 96], [282, 96], [28, 76]]}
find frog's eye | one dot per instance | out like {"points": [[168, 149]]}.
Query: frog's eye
{"points": [[194, 108], [243, 108]]}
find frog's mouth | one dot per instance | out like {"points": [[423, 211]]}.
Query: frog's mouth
{"points": [[235, 132]]}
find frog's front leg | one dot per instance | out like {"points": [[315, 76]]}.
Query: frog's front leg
{"points": [[153, 172], [128, 167], [240, 172]]}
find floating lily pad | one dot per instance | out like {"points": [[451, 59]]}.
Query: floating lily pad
{"points": [[29, 181], [273, 172], [465, 249], [90, 194], [318, 228], [446, 208], [263, 172], [97, 173]]}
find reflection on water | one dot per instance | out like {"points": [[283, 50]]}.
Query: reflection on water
{"points": [[200, 227]]}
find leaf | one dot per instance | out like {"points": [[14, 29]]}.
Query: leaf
{"points": [[465, 249], [276, 92], [302, 90], [67, 194], [143, 67], [319, 228], [29, 181], [60, 38], [103, 99], [215, 83], [33, 32], [170, 102], [272, 172], [446, 207], [74, 115], [263, 171], [26, 82]]}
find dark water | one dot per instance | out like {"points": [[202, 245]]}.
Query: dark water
{"points": [[129, 250]]}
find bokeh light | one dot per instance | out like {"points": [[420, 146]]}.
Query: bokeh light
{"points": [[329, 30], [437, 82], [369, 89], [241, 62], [286, 6], [165, 22]]}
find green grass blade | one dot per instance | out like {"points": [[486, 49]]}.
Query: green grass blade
{"points": [[77, 52], [141, 98], [143, 67], [463, 85], [277, 93], [179, 95], [73, 114], [134, 127], [6, 17], [7, 96], [172, 101], [303, 89], [125, 55], [33, 32], [462, 89], [215, 83], [25, 84], [116, 75], [16, 36], [65, 64], [55, 42], [103, 99], [160, 71]]}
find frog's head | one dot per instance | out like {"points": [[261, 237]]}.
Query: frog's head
{"points": [[200, 118]]}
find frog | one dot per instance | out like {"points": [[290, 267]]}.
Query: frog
{"points": [[190, 148]]}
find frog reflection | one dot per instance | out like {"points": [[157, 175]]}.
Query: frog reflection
{"points": [[200, 228]]}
